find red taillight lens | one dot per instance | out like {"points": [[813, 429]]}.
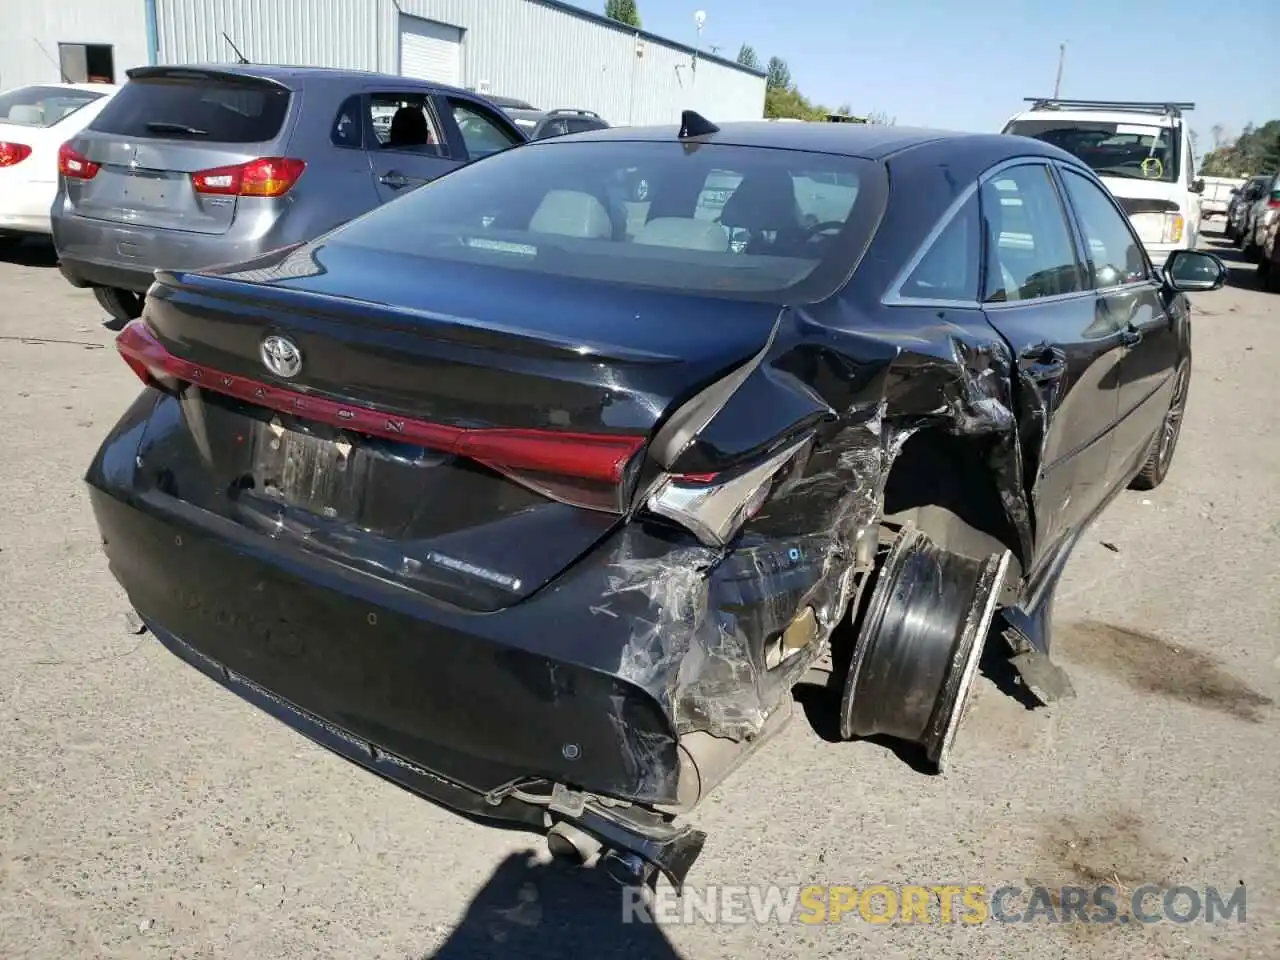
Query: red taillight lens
{"points": [[264, 177], [586, 469], [1273, 202], [11, 153], [74, 164]]}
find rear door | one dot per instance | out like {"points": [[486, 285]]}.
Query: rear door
{"points": [[406, 143], [1137, 307], [166, 126], [1066, 348]]}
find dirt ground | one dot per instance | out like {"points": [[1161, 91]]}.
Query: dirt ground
{"points": [[145, 812]]}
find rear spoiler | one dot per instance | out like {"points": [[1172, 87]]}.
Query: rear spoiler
{"points": [[205, 75]]}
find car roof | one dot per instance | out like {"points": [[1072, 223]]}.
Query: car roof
{"points": [[868, 141], [296, 75], [103, 88]]}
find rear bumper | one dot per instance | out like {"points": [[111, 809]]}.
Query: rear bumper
{"points": [[630, 676], [382, 676], [107, 253], [24, 206]]}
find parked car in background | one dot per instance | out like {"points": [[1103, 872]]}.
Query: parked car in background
{"points": [[191, 166], [1269, 258], [1259, 216], [1217, 195], [1142, 152], [1241, 206], [34, 122], [538, 491], [540, 124], [561, 121]]}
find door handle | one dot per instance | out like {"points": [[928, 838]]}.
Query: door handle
{"points": [[1043, 363], [1130, 336], [394, 179]]}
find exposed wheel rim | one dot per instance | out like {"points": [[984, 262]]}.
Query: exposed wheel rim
{"points": [[1173, 418]]}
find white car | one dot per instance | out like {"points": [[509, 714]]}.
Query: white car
{"points": [[1141, 152], [34, 122]]}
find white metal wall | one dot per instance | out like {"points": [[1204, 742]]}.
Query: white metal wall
{"points": [[30, 31], [520, 48], [430, 50]]}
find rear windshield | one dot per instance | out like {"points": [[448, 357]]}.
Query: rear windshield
{"points": [[1135, 151], [219, 112], [713, 219], [42, 106]]}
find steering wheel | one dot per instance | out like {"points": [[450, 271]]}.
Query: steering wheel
{"points": [[812, 233]]}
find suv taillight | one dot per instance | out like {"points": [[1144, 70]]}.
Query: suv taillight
{"points": [[264, 177], [75, 165], [11, 153]]}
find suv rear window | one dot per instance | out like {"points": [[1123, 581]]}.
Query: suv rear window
{"points": [[201, 109], [42, 106], [716, 219]]}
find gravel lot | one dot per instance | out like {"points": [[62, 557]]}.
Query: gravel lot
{"points": [[145, 812]]}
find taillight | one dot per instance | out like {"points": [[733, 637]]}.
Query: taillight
{"points": [[11, 153], [264, 177], [1273, 201], [1173, 228], [714, 507], [75, 165], [585, 469]]}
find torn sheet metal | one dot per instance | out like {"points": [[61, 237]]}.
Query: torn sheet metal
{"points": [[703, 618]]}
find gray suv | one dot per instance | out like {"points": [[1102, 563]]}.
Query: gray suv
{"points": [[193, 166]]}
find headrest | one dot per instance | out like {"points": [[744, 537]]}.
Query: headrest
{"points": [[570, 213]]}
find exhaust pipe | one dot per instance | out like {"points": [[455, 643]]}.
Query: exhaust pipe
{"points": [[568, 842], [626, 869]]}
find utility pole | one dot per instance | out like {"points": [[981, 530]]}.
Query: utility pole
{"points": [[1062, 56]]}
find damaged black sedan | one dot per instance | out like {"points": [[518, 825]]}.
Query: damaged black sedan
{"points": [[538, 490]]}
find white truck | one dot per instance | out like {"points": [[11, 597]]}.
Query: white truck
{"points": [[1217, 195], [1142, 153]]}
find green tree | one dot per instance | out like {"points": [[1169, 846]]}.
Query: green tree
{"points": [[779, 75], [1256, 150], [748, 57], [624, 11]]}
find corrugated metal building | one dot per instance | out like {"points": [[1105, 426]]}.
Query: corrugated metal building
{"points": [[547, 52]]}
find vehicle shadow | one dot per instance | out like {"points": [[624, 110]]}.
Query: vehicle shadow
{"points": [[28, 252], [533, 909], [1241, 273]]}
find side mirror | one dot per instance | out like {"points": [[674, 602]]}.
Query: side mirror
{"points": [[1197, 185], [1194, 270]]}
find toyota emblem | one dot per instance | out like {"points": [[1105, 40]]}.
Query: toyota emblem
{"points": [[281, 356]]}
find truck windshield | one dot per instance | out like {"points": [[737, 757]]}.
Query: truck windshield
{"points": [[1133, 150]]}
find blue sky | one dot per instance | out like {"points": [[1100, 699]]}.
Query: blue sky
{"points": [[967, 66]]}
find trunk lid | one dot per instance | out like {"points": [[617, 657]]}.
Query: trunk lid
{"points": [[165, 125], [466, 430]]}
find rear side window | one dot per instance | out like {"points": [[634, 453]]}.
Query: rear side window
{"points": [[949, 268], [42, 106], [720, 220], [196, 109]]}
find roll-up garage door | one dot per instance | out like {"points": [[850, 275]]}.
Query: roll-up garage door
{"points": [[430, 51]]}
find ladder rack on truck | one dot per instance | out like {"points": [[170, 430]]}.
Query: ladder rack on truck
{"points": [[1162, 108]]}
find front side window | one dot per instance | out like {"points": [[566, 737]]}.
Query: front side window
{"points": [[1113, 255], [1135, 151], [42, 106], [1028, 241], [719, 220], [481, 131]]}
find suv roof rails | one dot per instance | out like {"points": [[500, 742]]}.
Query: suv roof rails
{"points": [[576, 111], [1170, 108]]}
